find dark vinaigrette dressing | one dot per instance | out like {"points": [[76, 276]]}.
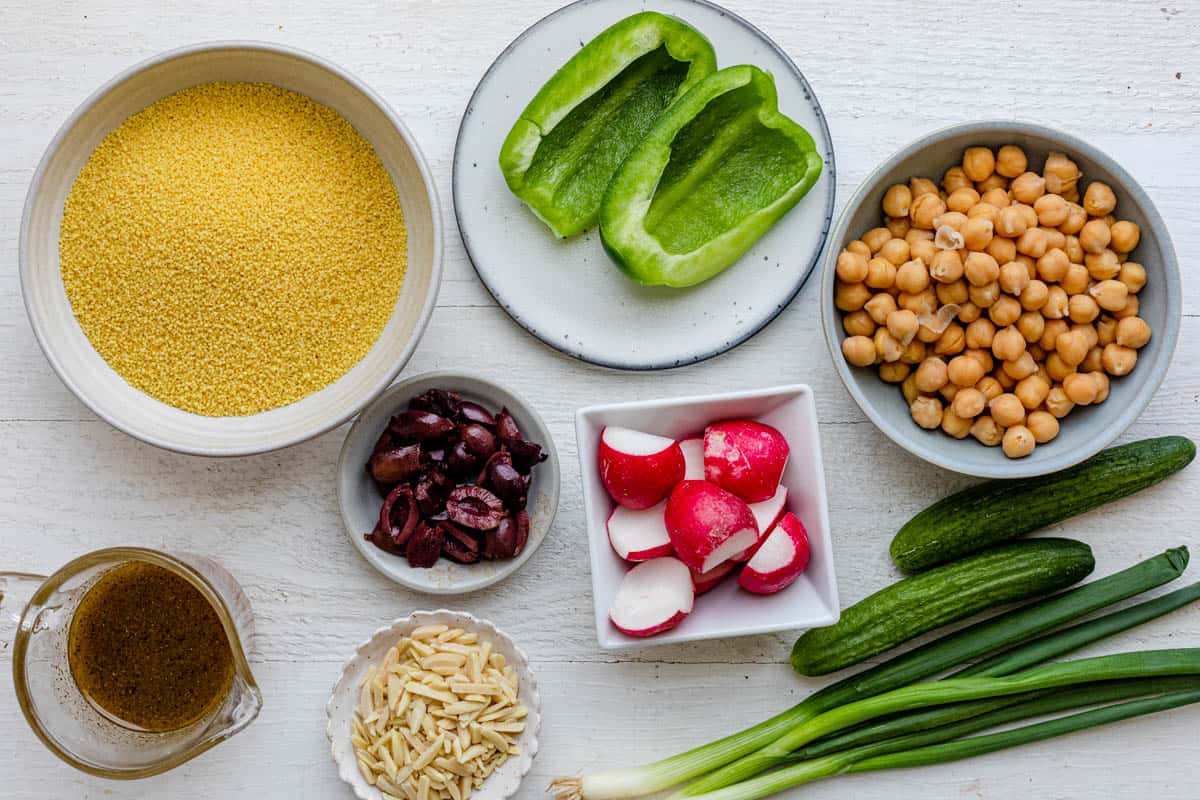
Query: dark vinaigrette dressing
{"points": [[146, 647]]}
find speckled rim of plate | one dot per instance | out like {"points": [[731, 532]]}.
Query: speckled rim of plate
{"points": [[552, 341], [509, 566], [225, 44], [357, 663], [1016, 468]]}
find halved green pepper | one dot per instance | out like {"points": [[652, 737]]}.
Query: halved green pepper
{"points": [[718, 169], [570, 139]]}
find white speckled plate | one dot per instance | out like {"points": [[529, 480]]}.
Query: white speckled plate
{"points": [[567, 292], [501, 784]]}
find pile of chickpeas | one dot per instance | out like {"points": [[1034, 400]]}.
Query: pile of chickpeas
{"points": [[999, 301]]}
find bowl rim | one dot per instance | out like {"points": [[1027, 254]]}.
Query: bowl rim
{"points": [[1009, 468], [553, 490], [97, 405]]}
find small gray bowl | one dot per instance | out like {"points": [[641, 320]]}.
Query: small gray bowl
{"points": [[360, 501], [1086, 430]]}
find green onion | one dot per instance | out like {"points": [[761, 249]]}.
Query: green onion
{"points": [[1147, 664], [989, 636]]}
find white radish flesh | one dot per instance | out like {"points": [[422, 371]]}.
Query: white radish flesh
{"points": [[654, 596], [639, 535], [693, 459], [780, 559]]}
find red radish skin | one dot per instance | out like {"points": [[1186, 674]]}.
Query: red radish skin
{"points": [[708, 525], [693, 459], [639, 535], [704, 581], [766, 514], [745, 457], [779, 560], [638, 469], [654, 596]]}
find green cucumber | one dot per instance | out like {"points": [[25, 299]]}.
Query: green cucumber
{"points": [[993, 511], [900, 612]]}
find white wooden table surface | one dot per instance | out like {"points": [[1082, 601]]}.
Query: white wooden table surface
{"points": [[1124, 75]]}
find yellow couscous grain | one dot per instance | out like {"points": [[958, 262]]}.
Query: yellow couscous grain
{"points": [[233, 248]]}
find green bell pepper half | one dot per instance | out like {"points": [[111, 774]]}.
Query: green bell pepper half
{"points": [[570, 139], [718, 169]]}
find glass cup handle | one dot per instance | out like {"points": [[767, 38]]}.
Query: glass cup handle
{"points": [[16, 589]]}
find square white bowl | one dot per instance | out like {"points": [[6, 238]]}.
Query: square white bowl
{"points": [[727, 610]]}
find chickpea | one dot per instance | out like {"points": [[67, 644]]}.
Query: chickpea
{"points": [[1056, 303], [1054, 238], [1132, 308], [931, 374], [859, 350], [1092, 361], [1028, 187], [876, 238], [1052, 265], [962, 199], [1102, 266], [1106, 330], [1039, 355], [1102, 385], [923, 302], [926, 412], [980, 333], [978, 163], [902, 325], [1007, 410], [964, 371], [990, 387], [860, 247], [984, 296], [1082, 309], [1073, 250], [1052, 210], [985, 212], [1014, 277], [983, 355], [1089, 333], [968, 311], [954, 293], [898, 226], [1061, 173], [911, 276], [1076, 219], [1010, 222], [1095, 236], [917, 234], [1111, 295], [955, 179], [997, 198], [921, 186], [1076, 280], [922, 249], [952, 341], [948, 392], [1118, 360], [980, 269], [987, 431], [1056, 368], [1052, 330], [1034, 295], [908, 388], [1011, 161], [1132, 332], [1043, 425], [1032, 390], [1081, 389], [858, 323], [1124, 236], [947, 266], [1099, 199], [1033, 243], [881, 273], [1057, 402], [896, 200], [1133, 275], [1006, 381], [1032, 325], [969, 402], [887, 347], [894, 372], [1022, 368], [951, 219], [993, 181], [1018, 442], [895, 251], [1072, 347], [1001, 249], [851, 267], [879, 307], [925, 209], [1005, 311], [850, 296], [954, 425], [977, 233], [914, 352], [1008, 344]]}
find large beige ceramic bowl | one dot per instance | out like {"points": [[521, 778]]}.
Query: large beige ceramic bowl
{"points": [[87, 374]]}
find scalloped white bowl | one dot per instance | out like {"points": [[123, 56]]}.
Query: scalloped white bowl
{"points": [[501, 784]]}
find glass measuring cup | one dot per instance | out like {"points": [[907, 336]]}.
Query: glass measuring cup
{"points": [[63, 718]]}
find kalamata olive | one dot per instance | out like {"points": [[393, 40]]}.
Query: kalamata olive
{"points": [[508, 484], [397, 520], [475, 507], [525, 454], [498, 457], [431, 492], [439, 401], [459, 545], [479, 440], [506, 426], [460, 460], [425, 546], [412, 427], [473, 412], [502, 541], [522, 531], [396, 465], [436, 456], [386, 441]]}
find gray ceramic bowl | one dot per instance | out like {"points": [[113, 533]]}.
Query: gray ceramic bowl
{"points": [[360, 501], [1086, 430]]}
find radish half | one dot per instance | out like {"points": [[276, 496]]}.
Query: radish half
{"points": [[780, 559], [708, 525], [639, 535], [693, 459], [745, 457], [703, 581], [638, 469], [653, 597], [766, 514]]}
